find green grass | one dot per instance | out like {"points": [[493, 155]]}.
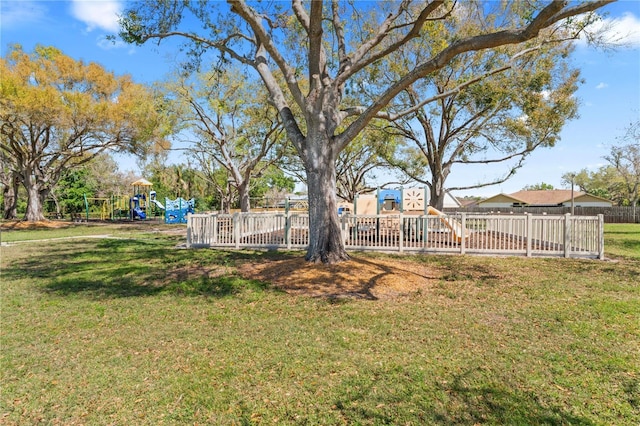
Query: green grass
{"points": [[72, 230], [140, 332], [622, 239]]}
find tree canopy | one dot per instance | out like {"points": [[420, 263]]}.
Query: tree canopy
{"points": [[58, 113], [542, 186], [308, 54], [476, 116], [230, 125], [619, 180]]}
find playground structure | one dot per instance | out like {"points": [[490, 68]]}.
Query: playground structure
{"points": [[139, 207], [142, 205], [176, 211], [100, 208], [406, 201]]}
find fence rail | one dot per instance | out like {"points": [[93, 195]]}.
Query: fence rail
{"points": [[524, 235]]}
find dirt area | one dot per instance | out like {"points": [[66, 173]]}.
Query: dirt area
{"points": [[361, 278], [43, 224]]}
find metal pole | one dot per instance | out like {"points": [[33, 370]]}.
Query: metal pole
{"points": [[572, 198]]}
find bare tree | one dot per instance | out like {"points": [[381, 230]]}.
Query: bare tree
{"points": [[362, 160], [626, 160], [234, 126], [306, 55]]}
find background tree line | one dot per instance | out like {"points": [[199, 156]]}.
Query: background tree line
{"points": [[236, 152]]}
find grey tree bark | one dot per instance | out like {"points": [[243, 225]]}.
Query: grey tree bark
{"points": [[10, 198]]}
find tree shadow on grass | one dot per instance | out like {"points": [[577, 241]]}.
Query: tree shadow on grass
{"points": [[483, 401], [127, 287], [114, 268], [470, 398]]}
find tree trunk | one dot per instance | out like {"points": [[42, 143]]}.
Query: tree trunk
{"points": [[34, 200], [10, 198], [325, 237], [243, 193], [437, 193]]}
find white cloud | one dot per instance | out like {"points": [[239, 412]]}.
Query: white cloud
{"points": [[623, 31], [106, 44], [100, 14], [15, 14], [602, 86]]}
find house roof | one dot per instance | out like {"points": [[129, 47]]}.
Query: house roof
{"points": [[545, 197], [590, 197], [552, 197], [468, 202], [501, 198]]}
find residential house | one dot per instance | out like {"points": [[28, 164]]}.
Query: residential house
{"points": [[544, 198]]}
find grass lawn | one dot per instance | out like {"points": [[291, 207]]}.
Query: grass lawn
{"points": [[137, 331], [622, 240]]}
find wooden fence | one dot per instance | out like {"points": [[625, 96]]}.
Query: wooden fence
{"points": [[523, 235], [617, 214]]}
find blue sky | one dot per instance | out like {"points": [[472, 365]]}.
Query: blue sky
{"points": [[609, 98]]}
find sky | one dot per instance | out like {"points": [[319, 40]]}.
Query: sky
{"points": [[609, 98]]}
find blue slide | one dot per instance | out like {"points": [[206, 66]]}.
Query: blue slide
{"points": [[137, 212]]}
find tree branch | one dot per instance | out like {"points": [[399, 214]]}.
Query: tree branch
{"points": [[549, 15]]}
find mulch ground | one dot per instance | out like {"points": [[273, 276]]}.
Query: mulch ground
{"points": [[360, 278], [23, 224]]}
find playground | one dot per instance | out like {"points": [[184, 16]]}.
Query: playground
{"points": [[143, 204], [402, 221]]}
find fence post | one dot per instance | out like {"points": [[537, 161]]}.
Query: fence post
{"points": [[601, 236], [425, 225], [287, 229], [236, 229], [401, 225], [463, 230], [189, 226], [567, 235], [529, 232], [343, 225], [215, 229]]}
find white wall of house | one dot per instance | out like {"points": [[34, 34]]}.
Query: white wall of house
{"points": [[587, 204]]}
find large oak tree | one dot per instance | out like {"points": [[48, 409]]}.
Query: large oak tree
{"points": [[327, 44], [58, 113], [466, 115]]}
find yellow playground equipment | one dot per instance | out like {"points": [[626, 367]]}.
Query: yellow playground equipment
{"points": [[120, 206]]}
